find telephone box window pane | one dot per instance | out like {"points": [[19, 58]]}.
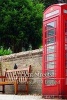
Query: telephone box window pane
{"points": [[66, 30], [66, 56], [50, 57], [65, 46], [51, 40], [66, 63], [50, 82], [65, 39], [50, 32], [66, 81], [66, 72], [66, 24], [50, 25], [50, 73], [50, 49], [66, 27], [50, 65]]}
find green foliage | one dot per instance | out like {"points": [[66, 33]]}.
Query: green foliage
{"points": [[20, 24], [5, 51], [49, 2], [46, 2]]}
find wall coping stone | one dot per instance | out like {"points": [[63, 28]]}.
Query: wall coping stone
{"points": [[21, 54]]}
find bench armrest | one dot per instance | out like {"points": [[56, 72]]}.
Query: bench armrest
{"points": [[2, 76]]}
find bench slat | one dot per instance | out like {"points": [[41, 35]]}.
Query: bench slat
{"points": [[16, 77]]}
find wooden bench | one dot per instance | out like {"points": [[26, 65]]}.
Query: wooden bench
{"points": [[16, 77]]}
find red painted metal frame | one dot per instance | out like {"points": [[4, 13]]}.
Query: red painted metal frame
{"points": [[60, 17]]}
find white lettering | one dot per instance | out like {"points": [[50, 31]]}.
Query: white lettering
{"points": [[52, 13]]}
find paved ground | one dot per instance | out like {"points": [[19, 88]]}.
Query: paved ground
{"points": [[22, 97]]}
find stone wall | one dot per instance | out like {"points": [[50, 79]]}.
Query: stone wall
{"points": [[24, 59]]}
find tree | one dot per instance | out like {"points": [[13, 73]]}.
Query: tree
{"points": [[47, 2], [20, 24], [50, 2]]}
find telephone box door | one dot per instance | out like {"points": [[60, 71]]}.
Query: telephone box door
{"points": [[65, 57], [50, 57]]}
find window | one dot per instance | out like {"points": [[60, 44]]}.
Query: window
{"points": [[50, 25], [50, 82], [50, 32], [50, 73], [50, 65], [66, 55], [65, 46], [66, 27], [50, 53], [50, 57], [66, 50], [66, 72], [50, 49], [66, 81], [66, 64], [50, 40], [65, 39]]}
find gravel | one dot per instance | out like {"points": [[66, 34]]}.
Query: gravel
{"points": [[23, 97], [20, 97]]}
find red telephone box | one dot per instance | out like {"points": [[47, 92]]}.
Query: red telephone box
{"points": [[55, 51]]}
